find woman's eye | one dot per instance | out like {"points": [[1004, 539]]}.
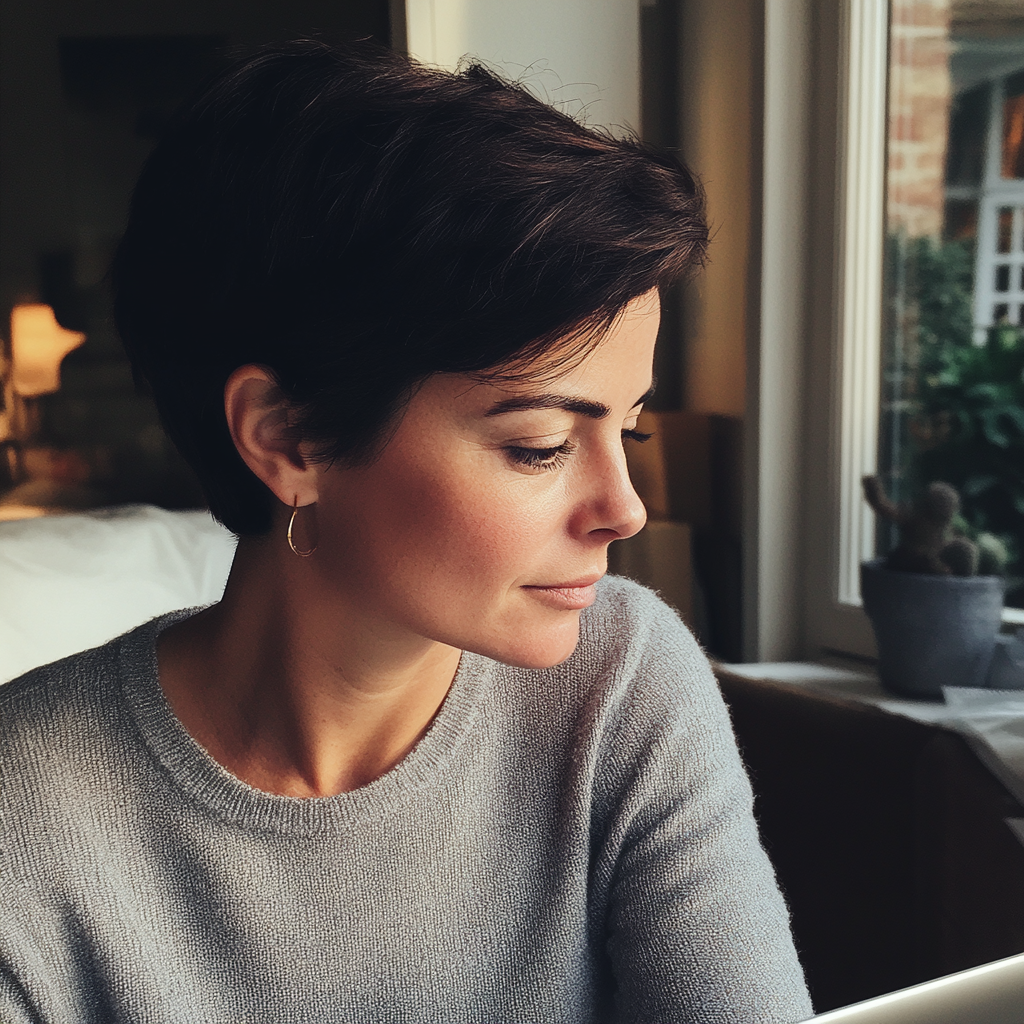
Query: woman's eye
{"points": [[541, 458], [552, 458], [636, 435]]}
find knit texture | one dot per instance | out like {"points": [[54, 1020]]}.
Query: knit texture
{"points": [[567, 845]]}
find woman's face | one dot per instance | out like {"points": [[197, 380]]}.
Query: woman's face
{"points": [[486, 521]]}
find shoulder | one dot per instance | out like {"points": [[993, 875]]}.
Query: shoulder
{"points": [[635, 615], [662, 734], [654, 697], [57, 728], [637, 670], [57, 738], [66, 724], [42, 700], [72, 764], [642, 648]]}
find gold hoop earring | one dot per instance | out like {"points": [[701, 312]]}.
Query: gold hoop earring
{"points": [[291, 523]]}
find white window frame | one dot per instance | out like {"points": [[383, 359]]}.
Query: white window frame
{"points": [[861, 162], [808, 440], [862, 154]]}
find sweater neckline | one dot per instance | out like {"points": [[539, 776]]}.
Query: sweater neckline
{"points": [[208, 783]]}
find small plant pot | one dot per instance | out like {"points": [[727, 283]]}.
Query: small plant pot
{"points": [[932, 631]]}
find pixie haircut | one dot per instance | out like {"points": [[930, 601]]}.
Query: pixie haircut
{"points": [[356, 222]]}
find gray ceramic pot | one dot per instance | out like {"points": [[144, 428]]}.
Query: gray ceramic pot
{"points": [[932, 631]]}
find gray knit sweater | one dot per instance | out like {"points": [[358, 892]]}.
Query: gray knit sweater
{"points": [[573, 844]]}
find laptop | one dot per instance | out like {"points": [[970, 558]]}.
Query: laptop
{"points": [[990, 994]]}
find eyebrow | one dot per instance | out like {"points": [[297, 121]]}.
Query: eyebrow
{"points": [[583, 406]]}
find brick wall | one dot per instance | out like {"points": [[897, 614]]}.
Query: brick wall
{"points": [[919, 99]]}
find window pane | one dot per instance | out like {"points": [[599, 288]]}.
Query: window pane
{"points": [[1005, 243], [953, 343], [1013, 127]]}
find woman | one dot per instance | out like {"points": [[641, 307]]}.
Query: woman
{"points": [[422, 763]]}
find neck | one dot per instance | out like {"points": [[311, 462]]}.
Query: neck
{"points": [[294, 689]]}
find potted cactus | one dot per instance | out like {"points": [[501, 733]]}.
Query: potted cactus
{"points": [[935, 601]]}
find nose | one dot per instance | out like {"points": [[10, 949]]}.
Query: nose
{"points": [[613, 510]]}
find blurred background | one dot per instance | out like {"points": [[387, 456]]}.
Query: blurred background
{"points": [[86, 89]]}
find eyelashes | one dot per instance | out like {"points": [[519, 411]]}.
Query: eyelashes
{"points": [[541, 458], [636, 435], [553, 458]]}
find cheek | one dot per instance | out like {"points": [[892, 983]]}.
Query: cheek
{"points": [[445, 553], [485, 534], [460, 527]]}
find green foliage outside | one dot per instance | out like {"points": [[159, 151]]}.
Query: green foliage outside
{"points": [[966, 410]]}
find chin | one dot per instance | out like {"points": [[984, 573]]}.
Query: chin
{"points": [[537, 648]]}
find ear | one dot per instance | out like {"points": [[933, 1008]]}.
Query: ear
{"points": [[258, 412]]}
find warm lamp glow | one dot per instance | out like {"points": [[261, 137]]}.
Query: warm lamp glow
{"points": [[38, 344]]}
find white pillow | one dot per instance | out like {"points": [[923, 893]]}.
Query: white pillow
{"points": [[71, 582]]}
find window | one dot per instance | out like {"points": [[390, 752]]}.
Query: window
{"points": [[952, 336], [883, 73]]}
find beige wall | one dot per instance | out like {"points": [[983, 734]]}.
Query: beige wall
{"points": [[581, 53], [720, 42]]}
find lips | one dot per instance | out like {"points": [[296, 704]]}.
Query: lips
{"points": [[572, 596], [583, 581]]}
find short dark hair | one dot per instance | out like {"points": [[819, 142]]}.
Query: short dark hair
{"points": [[356, 222]]}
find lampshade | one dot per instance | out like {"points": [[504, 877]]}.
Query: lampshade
{"points": [[38, 344]]}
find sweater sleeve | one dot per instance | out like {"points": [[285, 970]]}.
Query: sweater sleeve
{"points": [[697, 929]]}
